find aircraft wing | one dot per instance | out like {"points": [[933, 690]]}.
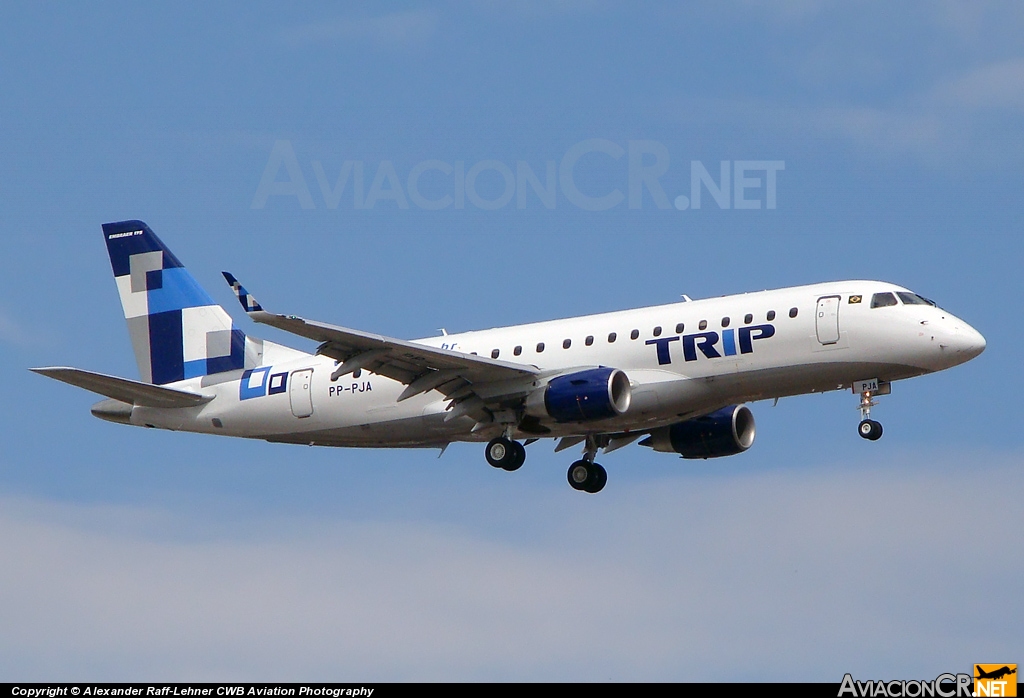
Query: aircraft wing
{"points": [[420, 367], [123, 389]]}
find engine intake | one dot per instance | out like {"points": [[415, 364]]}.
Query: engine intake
{"points": [[725, 432], [596, 393]]}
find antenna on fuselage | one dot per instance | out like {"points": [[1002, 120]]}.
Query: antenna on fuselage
{"points": [[444, 332], [687, 298]]}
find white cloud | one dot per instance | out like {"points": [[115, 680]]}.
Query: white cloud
{"points": [[878, 132], [995, 86], [949, 89], [394, 29], [959, 115], [973, 114], [902, 571], [9, 331], [14, 333], [979, 25]]}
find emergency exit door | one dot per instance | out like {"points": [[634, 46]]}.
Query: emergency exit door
{"points": [[827, 319], [301, 393]]}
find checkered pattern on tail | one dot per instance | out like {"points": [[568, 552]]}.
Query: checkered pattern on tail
{"points": [[177, 331], [249, 303]]}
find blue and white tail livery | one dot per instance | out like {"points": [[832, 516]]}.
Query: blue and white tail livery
{"points": [[671, 377], [176, 329]]}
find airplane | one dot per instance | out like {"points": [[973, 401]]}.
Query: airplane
{"points": [[673, 377], [995, 674]]}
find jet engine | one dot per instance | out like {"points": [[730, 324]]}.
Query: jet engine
{"points": [[596, 393], [725, 432]]}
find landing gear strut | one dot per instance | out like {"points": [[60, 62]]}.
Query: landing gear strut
{"points": [[868, 428], [505, 453], [585, 475]]}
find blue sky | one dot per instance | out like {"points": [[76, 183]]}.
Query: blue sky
{"points": [[135, 554]]}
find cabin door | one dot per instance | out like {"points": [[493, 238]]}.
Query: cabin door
{"points": [[826, 319], [300, 392]]}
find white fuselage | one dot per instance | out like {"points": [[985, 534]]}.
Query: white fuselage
{"points": [[682, 360]]}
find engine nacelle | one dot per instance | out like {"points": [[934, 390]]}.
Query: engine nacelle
{"points": [[596, 393], [726, 432]]}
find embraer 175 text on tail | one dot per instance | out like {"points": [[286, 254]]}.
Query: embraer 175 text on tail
{"points": [[673, 375]]}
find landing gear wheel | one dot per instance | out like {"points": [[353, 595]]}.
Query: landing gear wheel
{"points": [[870, 429], [505, 454], [518, 457], [579, 473], [599, 478], [587, 477], [498, 452]]}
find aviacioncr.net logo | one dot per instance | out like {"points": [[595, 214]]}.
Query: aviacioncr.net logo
{"points": [[995, 680], [943, 686]]}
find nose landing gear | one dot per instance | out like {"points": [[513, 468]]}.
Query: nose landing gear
{"points": [[868, 428]]}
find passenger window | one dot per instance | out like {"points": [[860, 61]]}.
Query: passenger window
{"points": [[494, 353], [725, 322], [517, 351], [566, 343], [634, 334], [657, 331], [792, 312], [771, 315], [679, 328], [540, 347], [589, 340], [882, 300], [611, 337], [747, 319], [703, 325]]}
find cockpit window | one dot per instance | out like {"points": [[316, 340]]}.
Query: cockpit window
{"points": [[913, 299], [881, 300]]}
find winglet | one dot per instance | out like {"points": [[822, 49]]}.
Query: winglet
{"points": [[249, 303]]}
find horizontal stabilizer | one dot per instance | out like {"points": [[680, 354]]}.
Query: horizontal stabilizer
{"points": [[123, 389]]}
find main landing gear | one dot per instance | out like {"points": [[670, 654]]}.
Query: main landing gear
{"points": [[505, 453], [868, 428], [585, 475]]}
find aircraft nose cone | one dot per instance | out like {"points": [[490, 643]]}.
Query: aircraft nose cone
{"points": [[970, 342]]}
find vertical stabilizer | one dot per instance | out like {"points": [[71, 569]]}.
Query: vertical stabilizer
{"points": [[176, 329]]}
